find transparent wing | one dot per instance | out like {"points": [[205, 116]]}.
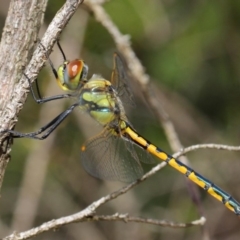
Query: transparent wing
{"points": [[137, 152], [140, 154], [119, 80], [106, 157]]}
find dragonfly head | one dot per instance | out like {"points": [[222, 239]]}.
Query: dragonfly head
{"points": [[72, 74]]}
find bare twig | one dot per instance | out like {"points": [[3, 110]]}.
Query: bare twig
{"points": [[126, 218], [137, 71], [89, 211], [207, 146]]}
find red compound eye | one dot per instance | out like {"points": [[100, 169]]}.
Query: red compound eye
{"points": [[74, 67]]}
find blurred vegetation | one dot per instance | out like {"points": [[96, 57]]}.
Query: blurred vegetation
{"points": [[191, 50]]}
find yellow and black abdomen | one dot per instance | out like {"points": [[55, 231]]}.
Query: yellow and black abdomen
{"points": [[98, 100]]}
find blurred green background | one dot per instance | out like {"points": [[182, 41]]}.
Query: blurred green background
{"points": [[191, 51]]}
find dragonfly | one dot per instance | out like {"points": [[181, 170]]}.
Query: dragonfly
{"points": [[116, 152]]}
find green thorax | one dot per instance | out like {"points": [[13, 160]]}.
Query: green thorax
{"points": [[98, 98]]}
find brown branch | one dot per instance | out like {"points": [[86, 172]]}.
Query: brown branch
{"points": [[14, 87]]}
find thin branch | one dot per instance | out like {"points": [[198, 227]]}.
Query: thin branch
{"points": [[80, 216], [88, 213], [163, 223], [206, 146], [122, 42], [90, 210], [138, 72]]}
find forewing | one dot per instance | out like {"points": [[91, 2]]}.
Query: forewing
{"points": [[137, 152], [106, 157]]}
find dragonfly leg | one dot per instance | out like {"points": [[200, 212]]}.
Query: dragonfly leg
{"points": [[46, 130], [41, 100]]}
